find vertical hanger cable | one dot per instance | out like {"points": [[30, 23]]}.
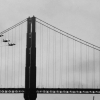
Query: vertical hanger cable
{"points": [[60, 64], [68, 59], [87, 66], [62, 58], [40, 57], [42, 53], [1, 67], [14, 58], [75, 62], [53, 61], [5, 63], [81, 65], [73, 65], [47, 62], [12, 61], [94, 68], [19, 58], [80, 68], [99, 70], [21, 52], [48, 54], [8, 62]]}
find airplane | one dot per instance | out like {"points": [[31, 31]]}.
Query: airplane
{"points": [[6, 40], [1, 35], [11, 44]]}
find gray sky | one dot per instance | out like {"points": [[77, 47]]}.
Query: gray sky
{"points": [[77, 17]]}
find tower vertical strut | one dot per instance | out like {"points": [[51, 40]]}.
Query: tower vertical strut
{"points": [[33, 94], [30, 70], [26, 94]]}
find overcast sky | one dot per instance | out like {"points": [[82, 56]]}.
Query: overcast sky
{"points": [[80, 18]]}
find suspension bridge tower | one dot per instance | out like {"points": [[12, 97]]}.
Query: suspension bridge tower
{"points": [[30, 70]]}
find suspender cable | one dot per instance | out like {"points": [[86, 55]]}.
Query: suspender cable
{"points": [[55, 59], [5, 63], [12, 63], [61, 56], [40, 56], [42, 53], [41, 50], [48, 54], [1, 65], [61, 66], [99, 69], [62, 60], [88, 67], [47, 62], [60, 80], [41, 60], [12, 60], [66, 63], [75, 62], [81, 65], [47, 68], [80, 68], [68, 58], [80, 76], [19, 58], [14, 57], [21, 54], [94, 69]]}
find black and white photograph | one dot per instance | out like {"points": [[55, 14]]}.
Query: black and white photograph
{"points": [[49, 50]]}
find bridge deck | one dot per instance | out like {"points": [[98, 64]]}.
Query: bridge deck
{"points": [[53, 90]]}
